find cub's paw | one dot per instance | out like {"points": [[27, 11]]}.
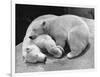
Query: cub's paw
{"points": [[57, 51]]}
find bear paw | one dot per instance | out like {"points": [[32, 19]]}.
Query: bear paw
{"points": [[57, 51]]}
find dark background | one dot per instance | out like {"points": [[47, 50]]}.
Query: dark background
{"points": [[26, 13]]}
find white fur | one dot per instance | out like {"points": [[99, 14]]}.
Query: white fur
{"points": [[33, 54], [45, 41]]}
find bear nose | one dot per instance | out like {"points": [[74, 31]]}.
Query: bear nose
{"points": [[32, 37], [45, 59]]}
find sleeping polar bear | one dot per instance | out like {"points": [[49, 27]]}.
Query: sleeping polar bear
{"points": [[32, 49], [63, 28]]}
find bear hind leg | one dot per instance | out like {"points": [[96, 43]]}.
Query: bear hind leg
{"points": [[77, 41]]}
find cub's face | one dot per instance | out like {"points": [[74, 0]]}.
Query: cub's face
{"points": [[32, 54]]}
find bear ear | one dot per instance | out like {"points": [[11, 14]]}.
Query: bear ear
{"points": [[44, 25]]}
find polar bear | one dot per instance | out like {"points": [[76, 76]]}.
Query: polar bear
{"points": [[63, 28], [31, 53]]}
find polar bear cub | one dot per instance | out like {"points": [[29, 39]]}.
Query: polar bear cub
{"points": [[32, 49]]}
